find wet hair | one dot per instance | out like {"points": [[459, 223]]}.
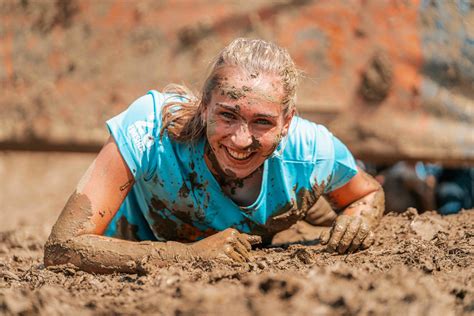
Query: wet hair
{"points": [[184, 121]]}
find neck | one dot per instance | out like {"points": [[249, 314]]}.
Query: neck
{"points": [[243, 191]]}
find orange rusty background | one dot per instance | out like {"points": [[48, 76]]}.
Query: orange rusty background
{"points": [[68, 65]]}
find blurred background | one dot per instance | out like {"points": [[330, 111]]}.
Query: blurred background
{"points": [[393, 79]]}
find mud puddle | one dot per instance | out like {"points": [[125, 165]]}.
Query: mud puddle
{"points": [[420, 265]]}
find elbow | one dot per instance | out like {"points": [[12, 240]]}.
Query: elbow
{"points": [[379, 202], [59, 251], [55, 253]]}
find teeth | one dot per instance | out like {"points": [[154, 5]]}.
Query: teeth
{"points": [[237, 155]]}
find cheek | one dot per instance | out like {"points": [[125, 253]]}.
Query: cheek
{"points": [[217, 129], [214, 125], [211, 127], [269, 140]]}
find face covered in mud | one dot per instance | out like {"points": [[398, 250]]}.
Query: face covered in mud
{"points": [[245, 121]]}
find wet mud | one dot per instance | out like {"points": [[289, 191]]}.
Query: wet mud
{"points": [[419, 265]]}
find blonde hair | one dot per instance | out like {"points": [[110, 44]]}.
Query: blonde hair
{"points": [[183, 120]]}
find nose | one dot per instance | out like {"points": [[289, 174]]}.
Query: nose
{"points": [[242, 137]]}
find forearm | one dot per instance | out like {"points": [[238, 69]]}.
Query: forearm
{"points": [[371, 207], [99, 254]]}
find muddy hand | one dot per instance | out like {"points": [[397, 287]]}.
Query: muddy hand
{"points": [[226, 244], [348, 234], [321, 213]]}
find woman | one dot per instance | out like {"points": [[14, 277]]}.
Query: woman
{"points": [[183, 177]]}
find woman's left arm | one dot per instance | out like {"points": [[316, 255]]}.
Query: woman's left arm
{"points": [[361, 204]]}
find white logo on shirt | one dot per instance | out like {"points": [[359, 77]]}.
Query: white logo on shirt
{"points": [[139, 135]]}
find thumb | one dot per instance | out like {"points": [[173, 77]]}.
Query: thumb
{"points": [[324, 237], [253, 239]]}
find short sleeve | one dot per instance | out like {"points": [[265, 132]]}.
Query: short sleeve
{"points": [[344, 167], [334, 164], [135, 131]]}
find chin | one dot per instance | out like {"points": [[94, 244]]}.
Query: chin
{"points": [[236, 174], [239, 173]]}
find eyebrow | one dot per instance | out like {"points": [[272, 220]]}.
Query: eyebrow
{"points": [[228, 107], [265, 115], [235, 110]]}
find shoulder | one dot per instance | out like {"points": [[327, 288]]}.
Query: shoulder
{"points": [[137, 132], [307, 141], [144, 111]]}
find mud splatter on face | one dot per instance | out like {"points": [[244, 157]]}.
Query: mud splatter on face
{"points": [[211, 126], [211, 85], [276, 142], [246, 126], [125, 230], [232, 92], [215, 167], [230, 173], [255, 145]]}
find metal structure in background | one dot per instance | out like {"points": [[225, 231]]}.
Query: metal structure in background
{"points": [[393, 79]]}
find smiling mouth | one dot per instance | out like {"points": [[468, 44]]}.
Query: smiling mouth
{"points": [[239, 155]]}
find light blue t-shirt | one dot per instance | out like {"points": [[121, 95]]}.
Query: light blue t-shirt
{"points": [[176, 197]]}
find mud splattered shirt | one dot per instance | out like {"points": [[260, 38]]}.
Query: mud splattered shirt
{"points": [[176, 197]]}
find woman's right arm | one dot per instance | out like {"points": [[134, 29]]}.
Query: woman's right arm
{"points": [[77, 239]]}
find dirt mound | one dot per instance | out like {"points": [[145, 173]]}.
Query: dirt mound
{"points": [[421, 265]]}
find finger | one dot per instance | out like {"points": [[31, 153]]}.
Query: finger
{"points": [[351, 232], [240, 248], [231, 253], [325, 235], [235, 243], [243, 240], [252, 239], [337, 232], [327, 218], [361, 235], [368, 241], [315, 213]]}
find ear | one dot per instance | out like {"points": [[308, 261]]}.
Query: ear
{"points": [[287, 122]]}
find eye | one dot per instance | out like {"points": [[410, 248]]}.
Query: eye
{"points": [[228, 115], [263, 122]]}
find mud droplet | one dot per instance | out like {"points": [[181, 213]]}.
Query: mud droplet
{"points": [[183, 191]]}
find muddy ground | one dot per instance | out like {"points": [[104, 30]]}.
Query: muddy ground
{"points": [[420, 265]]}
